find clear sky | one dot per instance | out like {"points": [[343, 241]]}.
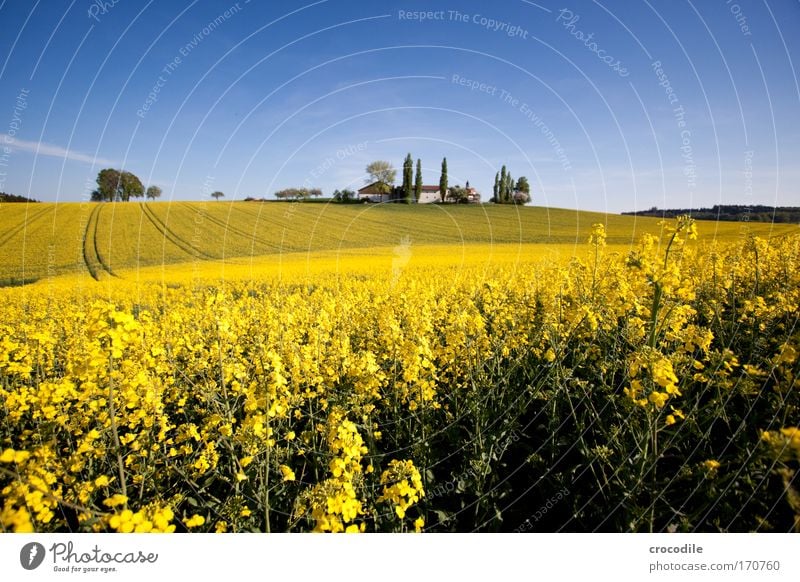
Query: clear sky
{"points": [[608, 106]]}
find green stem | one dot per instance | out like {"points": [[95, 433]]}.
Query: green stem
{"points": [[113, 413], [654, 315]]}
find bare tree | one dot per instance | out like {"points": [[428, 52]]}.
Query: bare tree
{"points": [[383, 173]]}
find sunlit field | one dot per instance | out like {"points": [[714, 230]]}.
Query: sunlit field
{"points": [[39, 241], [230, 367]]}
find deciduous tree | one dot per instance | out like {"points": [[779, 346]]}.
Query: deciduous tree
{"points": [[383, 173], [117, 185]]}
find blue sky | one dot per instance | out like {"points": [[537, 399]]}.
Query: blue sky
{"points": [[606, 106]]}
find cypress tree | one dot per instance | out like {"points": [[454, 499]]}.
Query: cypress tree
{"points": [[418, 181], [443, 180], [496, 189], [408, 169]]}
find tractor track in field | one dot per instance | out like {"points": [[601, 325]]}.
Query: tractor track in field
{"points": [[260, 216], [234, 229], [19, 228], [279, 225], [91, 254], [170, 235], [106, 267]]}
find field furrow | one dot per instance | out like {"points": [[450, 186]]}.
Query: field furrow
{"points": [[66, 238], [90, 255], [169, 235], [26, 222], [237, 240]]}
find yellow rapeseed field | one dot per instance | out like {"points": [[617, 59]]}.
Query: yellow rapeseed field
{"points": [[646, 385], [40, 241]]}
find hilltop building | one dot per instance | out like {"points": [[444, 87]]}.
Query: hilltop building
{"points": [[378, 192]]}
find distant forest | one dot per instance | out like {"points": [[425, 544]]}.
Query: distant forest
{"points": [[729, 212], [4, 197]]}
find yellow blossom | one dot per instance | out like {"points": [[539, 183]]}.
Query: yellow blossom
{"points": [[102, 481], [287, 473], [116, 500], [659, 399], [194, 521]]}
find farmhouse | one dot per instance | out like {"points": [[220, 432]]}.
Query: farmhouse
{"points": [[430, 194], [469, 195], [380, 192], [377, 192]]}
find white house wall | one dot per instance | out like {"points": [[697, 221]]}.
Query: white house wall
{"points": [[429, 197], [374, 197]]}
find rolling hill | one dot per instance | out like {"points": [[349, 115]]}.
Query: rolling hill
{"points": [[106, 239]]}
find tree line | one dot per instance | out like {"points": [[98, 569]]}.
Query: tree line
{"points": [[382, 174], [506, 191], [729, 212], [298, 193], [6, 197], [120, 186]]}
